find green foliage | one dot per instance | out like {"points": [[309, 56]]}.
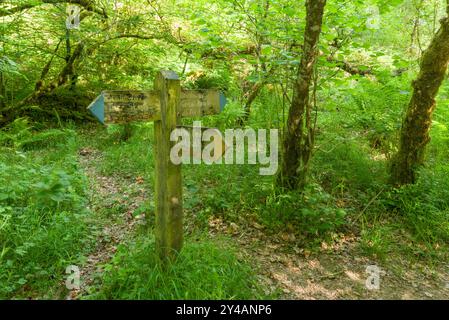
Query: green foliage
{"points": [[312, 212], [425, 205], [226, 119], [204, 270], [42, 212], [348, 165], [216, 78], [378, 240], [9, 67], [19, 135], [378, 119], [412, 220], [131, 157], [64, 103], [269, 111], [229, 45]]}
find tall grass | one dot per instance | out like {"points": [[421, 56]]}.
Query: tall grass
{"points": [[204, 270], [42, 210]]}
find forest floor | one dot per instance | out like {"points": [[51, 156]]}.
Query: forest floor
{"points": [[104, 192], [336, 271]]}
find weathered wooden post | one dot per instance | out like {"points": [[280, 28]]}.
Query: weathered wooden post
{"points": [[169, 232], [165, 105]]}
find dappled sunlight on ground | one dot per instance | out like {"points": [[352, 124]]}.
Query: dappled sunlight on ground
{"points": [[335, 271]]}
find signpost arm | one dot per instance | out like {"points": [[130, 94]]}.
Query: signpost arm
{"points": [[169, 217]]}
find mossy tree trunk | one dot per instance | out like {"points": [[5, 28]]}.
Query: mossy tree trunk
{"points": [[299, 136], [2, 91], [418, 119], [67, 73]]}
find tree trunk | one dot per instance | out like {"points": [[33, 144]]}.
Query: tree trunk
{"points": [[250, 97], [66, 74], [299, 136], [418, 120], [2, 91]]}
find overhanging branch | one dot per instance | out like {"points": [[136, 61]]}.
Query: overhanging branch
{"points": [[88, 5]]}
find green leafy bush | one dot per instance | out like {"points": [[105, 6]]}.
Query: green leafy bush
{"points": [[20, 135], [425, 205], [380, 119], [42, 211], [313, 212]]}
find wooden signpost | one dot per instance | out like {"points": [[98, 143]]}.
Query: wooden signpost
{"points": [[165, 105]]}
